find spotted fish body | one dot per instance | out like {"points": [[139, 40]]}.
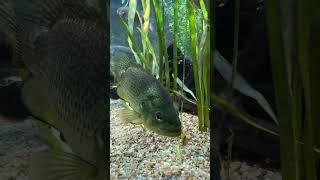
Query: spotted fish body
{"points": [[149, 102], [67, 90], [77, 96]]}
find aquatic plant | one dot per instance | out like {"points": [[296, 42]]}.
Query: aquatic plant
{"points": [[200, 50], [181, 29], [294, 49]]}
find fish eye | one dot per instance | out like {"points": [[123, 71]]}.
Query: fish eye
{"points": [[159, 116]]}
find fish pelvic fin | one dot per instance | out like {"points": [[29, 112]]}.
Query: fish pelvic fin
{"points": [[52, 165]]}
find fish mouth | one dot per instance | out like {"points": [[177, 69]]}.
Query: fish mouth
{"points": [[168, 132]]}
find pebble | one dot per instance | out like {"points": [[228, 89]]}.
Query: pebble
{"points": [[135, 153], [163, 156]]}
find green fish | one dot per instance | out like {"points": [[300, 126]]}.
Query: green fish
{"points": [[148, 102], [66, 86]]}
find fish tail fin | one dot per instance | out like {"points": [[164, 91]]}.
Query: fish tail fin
{"points": [[52, 165]]}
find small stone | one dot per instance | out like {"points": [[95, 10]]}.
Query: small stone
{"points": [[235, 166], [235, 176], [244, 167], [254, 172], [269, 174]]}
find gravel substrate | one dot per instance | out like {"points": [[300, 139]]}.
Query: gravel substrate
{"points": [[242, 171], [17, 142], [137, 153]]}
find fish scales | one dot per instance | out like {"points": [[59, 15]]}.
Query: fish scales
{"points": [[68, 63], [76, 89], [64, 47], [149, 103], [140, 86]]}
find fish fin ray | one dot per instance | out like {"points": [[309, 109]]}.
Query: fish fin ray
{"points": [[52, 165], [129, 116]]}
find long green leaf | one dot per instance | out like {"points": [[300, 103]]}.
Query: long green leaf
{"points": [[179, 93], [222, 102], [150, 50], [145, 28], [206, 78], [235, 43], [193, 42], [131, 18], [308, 55], [175, 42], [185, 88], [281, 84], [134, 42], [163, 54], [240, 84]]}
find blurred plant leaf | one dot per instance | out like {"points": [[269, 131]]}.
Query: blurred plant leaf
{"points": [[185, 88], [223, 102], [180, 93], [240, 84]]}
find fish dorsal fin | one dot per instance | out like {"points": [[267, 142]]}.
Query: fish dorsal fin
{"points": [[53, 165]]}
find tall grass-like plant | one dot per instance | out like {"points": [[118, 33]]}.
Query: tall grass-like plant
{"points": [[235, 43], [182, 30], [294, 49], [163, 54], [175, 43], [201, 51], [200, 61], [203, 58]]}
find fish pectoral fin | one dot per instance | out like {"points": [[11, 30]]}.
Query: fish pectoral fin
{"points": [[120, 92], [52, 165], [129, 116]]}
